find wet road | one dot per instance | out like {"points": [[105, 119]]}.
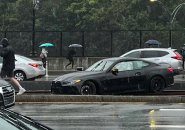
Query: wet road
{"points": [[106, 116]]}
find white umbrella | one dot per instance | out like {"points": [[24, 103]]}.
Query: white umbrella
{"points": [[75, 45]]}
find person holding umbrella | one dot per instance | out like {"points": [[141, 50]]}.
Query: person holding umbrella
{"points": [[70, 56], [182, 51], [43, 56], [8, 67], [44, 52]]}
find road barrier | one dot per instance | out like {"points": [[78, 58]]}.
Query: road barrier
{"points": [[49, 98]]}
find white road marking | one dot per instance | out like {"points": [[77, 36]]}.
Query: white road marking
{"points": [[172, 109], [167, 126]]}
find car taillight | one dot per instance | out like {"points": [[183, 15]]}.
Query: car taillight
{"points": [[177, 56], [34, 65], [170, 69]]}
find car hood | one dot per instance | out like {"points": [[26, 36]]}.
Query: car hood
{"points": [[76, 75]]}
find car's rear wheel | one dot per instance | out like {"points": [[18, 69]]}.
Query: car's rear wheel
{"points": [[88, 88], [20, 75], [157, 84]]}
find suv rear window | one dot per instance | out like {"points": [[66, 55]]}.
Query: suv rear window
{"points": [[150, 54], [135, 54]]}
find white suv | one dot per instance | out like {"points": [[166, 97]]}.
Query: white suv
{"points": [[158, 55]]}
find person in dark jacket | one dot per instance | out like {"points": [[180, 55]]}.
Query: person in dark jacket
{"points": [[182, 52], [8, 67], [70, 55]]}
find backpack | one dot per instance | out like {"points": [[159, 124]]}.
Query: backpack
{"points": [[183, 53]]}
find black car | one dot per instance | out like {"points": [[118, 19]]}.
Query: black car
{"points": [[10, 120], [115, 75]]}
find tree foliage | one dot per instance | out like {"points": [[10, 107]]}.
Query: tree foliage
{"points": [[87, 22], [90, 14]]}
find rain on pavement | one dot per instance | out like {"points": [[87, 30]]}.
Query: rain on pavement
{"points": [[106, 116]]}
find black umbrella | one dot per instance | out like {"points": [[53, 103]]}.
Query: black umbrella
{"points": [[75, 45], [152, 42]]}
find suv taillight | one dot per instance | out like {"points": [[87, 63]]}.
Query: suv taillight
{"points": [[170, 69], [177, 56]]}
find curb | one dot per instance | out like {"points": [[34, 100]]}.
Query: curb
{"points": [[98, 98]]}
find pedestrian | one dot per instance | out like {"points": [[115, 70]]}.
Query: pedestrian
{"points": [[43, 56], [183, 55], [70, 56], [8, 66]]}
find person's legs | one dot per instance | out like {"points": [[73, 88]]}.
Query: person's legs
{"points": [[44, 62], [15, 82], [21, 89], [68, 63], [72, 62], [10, 75]]}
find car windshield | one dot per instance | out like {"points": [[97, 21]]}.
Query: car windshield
{"points": [[100, 65], [5, 125], [11, 122]]}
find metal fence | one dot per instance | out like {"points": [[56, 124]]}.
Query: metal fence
{"points": [[95, 43]]}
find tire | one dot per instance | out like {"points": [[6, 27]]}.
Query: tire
{"points": [[20, 75], [88, 88], [157, 84]]}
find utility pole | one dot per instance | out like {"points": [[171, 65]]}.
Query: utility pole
{"points": [[34, 8]]}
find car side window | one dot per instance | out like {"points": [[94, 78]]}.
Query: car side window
{"points": [[124, 66], [135, 54], [163, 53], [139, 64], [149, 54]]}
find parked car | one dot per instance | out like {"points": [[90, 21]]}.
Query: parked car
{"points": [[158, 55], [7, 94], [115, 75], [26, 68], [10, 120]]}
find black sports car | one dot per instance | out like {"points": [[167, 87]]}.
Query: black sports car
{"points": [[115, 75], [10, 120]]}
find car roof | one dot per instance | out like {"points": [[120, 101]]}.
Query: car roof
{"points": [[149, 49], [159, 49], [122, 58]]}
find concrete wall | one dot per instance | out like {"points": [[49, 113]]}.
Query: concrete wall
{"points": [[59, 63]]}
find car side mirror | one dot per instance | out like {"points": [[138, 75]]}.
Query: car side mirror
{"points": [[115, 71], [80, 68]]}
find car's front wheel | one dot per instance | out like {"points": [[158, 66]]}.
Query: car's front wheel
{"points": [[157, 84], [20, 75], [88, 88]]}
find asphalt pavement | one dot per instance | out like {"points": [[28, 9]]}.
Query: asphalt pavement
{"points": [[106, 116]]}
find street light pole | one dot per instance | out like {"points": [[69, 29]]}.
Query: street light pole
{"points": [[35, 4], [172, 16]]}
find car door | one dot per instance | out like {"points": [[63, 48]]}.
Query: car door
{"points": [[137, 77], [118, 82]]}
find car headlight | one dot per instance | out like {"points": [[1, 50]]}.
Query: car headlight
{"points": [[72, 82]]}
